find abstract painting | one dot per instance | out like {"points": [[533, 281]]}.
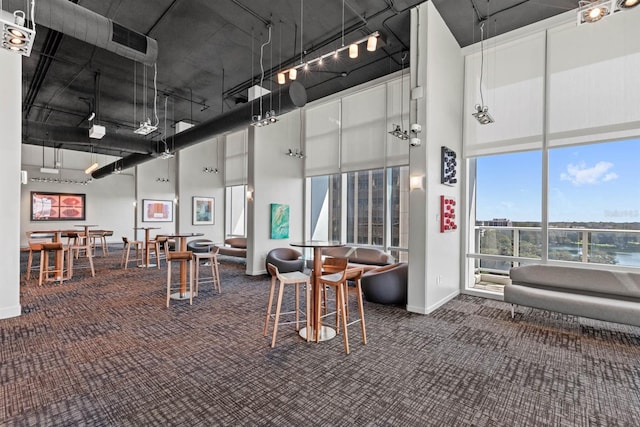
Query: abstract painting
{"points": [[279, 221]]}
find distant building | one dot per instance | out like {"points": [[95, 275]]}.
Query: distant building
{"points": [[500, 222]]}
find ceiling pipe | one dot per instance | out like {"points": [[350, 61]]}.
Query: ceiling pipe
{"points": [[34, 133], [83, 24], [289, 97]]}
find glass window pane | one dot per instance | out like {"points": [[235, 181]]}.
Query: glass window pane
{"points": [[235, 208], [594, 203]]}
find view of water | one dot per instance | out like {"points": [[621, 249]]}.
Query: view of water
{"points": [[631, 259]]}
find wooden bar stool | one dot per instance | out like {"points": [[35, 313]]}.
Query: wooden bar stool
{"points": [[212, 260], [58, 270], [126, 251], [179, 257], [294, 278], [84, 244], [35, 242], [154, 245], [337, 279]]}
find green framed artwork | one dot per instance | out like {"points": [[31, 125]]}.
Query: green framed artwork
{"points": [[279, 221]]}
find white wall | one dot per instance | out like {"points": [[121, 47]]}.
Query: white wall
{"points": [[147, 187], [109, 200], [274, 178], [437, 67], [194, 182], [10, 123]]}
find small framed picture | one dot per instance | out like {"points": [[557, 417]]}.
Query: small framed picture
{"points": [[157, 210], [203, 213]]}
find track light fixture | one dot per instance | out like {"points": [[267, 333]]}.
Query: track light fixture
{"points": [[269, 118], [60, 181], [482, 115], [399, 133], [482, 111], [353, 49], [15, 36], [146, 128], [372, 43], [208, 169], [91, 168], [590, 11], [295, 153], [162, 179]]}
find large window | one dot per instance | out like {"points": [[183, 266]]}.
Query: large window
{"points": [[508, 190], [364, 208], [594, 203]]}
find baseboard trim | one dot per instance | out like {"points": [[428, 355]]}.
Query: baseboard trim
{"points": [[430, 309], [8, 312]]}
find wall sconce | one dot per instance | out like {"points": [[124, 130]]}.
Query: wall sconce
{"points": [[415, 182], [135, 203], [250, 195], [175, 200]]}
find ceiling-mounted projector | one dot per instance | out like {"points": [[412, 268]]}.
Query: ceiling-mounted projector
{"points": [[145, 128]]}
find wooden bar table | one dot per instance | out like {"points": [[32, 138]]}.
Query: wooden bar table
{"points": [[181, 246], [146, 245], [326, 332]]}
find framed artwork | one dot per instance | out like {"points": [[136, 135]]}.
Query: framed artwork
{"points": [[449, 164], [157, 210], [279, 221], [57, 206], [202, 210]]}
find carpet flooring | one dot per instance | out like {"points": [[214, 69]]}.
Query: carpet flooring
{"points": [[105, 351]]}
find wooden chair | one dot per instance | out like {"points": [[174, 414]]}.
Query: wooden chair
{"points": [[126, 252], [58, 249], [293, 278], [180, 256], [335, 275], [211, 259]]}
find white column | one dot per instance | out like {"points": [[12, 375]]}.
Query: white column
{"points": [[11, 131], [437, 67]]}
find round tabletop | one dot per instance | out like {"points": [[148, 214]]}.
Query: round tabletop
{"points": [[317, 244], [183, 235]]}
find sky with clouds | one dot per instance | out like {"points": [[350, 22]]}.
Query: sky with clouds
{"points": [[597, 182]]}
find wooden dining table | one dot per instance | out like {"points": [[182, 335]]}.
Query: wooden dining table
{"points": [[325, 332], [181, 245]]}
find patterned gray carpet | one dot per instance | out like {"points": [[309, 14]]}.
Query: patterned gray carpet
{"points": [[106, 351]]}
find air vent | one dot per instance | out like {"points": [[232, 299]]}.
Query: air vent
{"points": [[131, 39]]}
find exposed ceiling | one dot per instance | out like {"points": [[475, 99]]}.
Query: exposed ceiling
{"points": [[209, 55]]}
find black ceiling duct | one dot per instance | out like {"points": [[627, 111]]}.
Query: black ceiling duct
{"points": [[290, 97], [83, 24]]}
